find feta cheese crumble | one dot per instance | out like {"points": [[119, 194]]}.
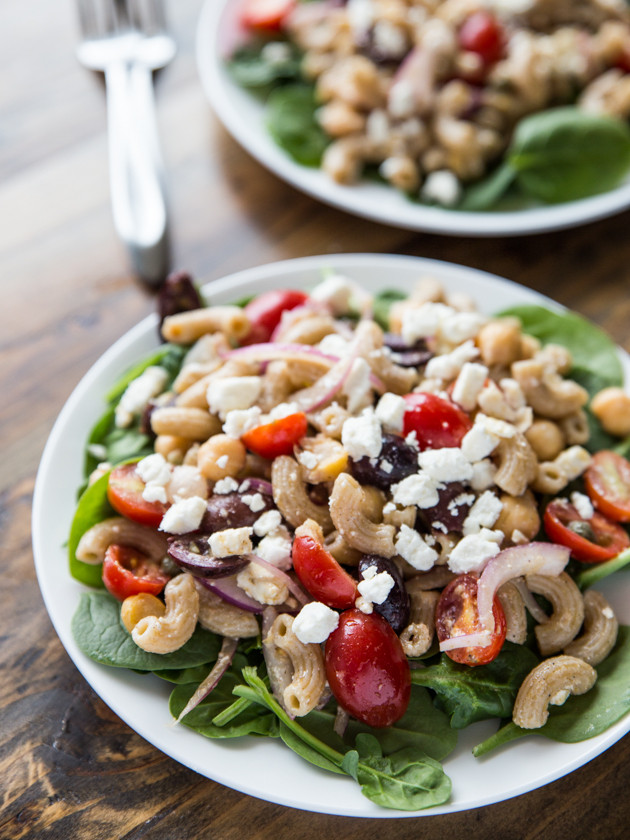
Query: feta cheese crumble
{"points": [[473, 551], [375, 586], [155, 471], [233, 393], [583, 505], [412, 548], [419, 489], [314, 623], [446, 465], [390, 411], [361, 436], [239, 421], [483, 514], [183, 516], [267, 523], [231, 541], [150, 383]]}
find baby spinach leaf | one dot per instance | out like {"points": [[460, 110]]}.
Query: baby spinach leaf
{"points": [[404, 780], [292, 123], [258, 67], [382, 303], [586, 715], [93, 507], [168, 356], [487, 691], [484, 194], [306, 751], [98, 632], [564, 154]]}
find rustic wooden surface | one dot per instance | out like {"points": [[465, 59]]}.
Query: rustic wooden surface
{"points": [[68, 766]]}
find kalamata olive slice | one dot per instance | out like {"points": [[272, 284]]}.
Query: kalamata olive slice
{"points": [[452, 508], [406, 355], [395, 609], [232, 510], [177, 294], [193, 553], [396, 461]]}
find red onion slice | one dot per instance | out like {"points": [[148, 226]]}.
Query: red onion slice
{"points": [[327, 387], [480, 639], [293, 587], [193, 553], [224, 660], [535, 558], [231, 592], [270, 351], [531, 604]]}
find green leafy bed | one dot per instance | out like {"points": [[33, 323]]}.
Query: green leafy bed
{"points": [[558, 155], [399, 767]]}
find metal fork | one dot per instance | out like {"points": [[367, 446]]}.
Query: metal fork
{"points": [[127, 40]]}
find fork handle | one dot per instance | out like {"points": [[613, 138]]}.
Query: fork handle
{"points": [[136, 180]]}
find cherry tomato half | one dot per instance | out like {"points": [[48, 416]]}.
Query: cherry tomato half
{"points": [[608, 484], [265, 311], [591, 540], [265, 14], [457, 615], [322, 575], [124, 491], [436, 421], [482, 33], [278, 437], [128, 572], [367, 669]]}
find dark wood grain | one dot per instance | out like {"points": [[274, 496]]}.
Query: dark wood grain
{"points": [[69, 768]]}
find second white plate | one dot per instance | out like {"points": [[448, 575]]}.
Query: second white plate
{"points": [[243, 116]]}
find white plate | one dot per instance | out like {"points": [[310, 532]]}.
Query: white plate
{"points": [[266, 768], [242, 115]]}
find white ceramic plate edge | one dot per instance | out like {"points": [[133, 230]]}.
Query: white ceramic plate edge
{"points": [[243, 118], [141, 701]]}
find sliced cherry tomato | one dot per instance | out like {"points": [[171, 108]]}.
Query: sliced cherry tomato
{"points": [[482, 33], [265, 311], [367, 669], [278, 437], [322, 575], [608, 484], [591, 540], [265, 14], [124, 491], [457, 615], [128, 572], [436, 421], [623, 60]]}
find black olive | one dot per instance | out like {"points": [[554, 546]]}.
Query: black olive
{"points": [[177, 294], [455, 500], [228, 510], [396, 461], [406, 355], [395, 608]]}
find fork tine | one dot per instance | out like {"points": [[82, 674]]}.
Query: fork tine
{"points": [[148, 15], [87, 18]]}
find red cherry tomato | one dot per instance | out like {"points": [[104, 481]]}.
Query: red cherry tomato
{"points": [[124, 491], [128, 572], [322, 575], [436, 421], [278, 437], [482, 33], [608, 484], [590, 540], [265, 311], [623, 60], [457, 615], [265, 14], [367, 669]]}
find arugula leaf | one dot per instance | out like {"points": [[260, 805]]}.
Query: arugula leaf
{"points": [[93, 507], [593, 574], [292, 123], [249, 720], [487, 691], [584, 716], [407, 779], [98, 632]]}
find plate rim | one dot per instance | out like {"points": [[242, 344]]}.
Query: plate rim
{"points": [[97, 675], [365, 200]]}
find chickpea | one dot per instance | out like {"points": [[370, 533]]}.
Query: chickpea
{"points": [[500, 341], [221, 456], [140, 606], [172, 447], [519, 513], [546, 439], [611, 406]]}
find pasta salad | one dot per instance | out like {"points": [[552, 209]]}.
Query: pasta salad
{"points": [[360, 523], [467, 104]]}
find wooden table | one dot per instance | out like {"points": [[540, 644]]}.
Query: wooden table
{"points": [[68, 766]]}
